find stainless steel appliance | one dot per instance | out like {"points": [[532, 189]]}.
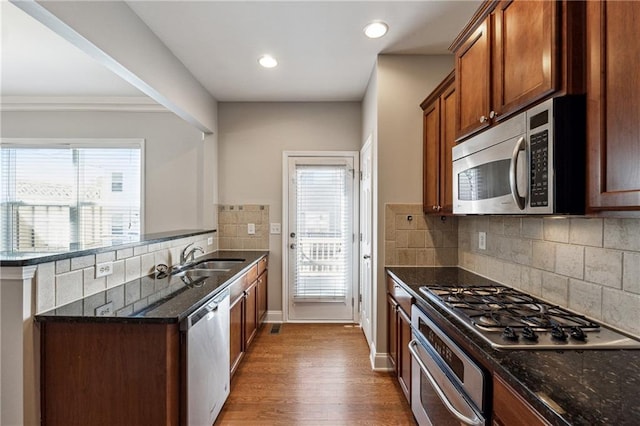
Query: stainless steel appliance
{"points": [[532, 163], [447, 386], [206, 333], [509, 319]]}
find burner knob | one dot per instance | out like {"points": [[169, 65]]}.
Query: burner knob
{"points": [[578, 334], [558, 333], [529, 334], [509, 334]]}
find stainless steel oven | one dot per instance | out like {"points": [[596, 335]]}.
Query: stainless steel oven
{"points": [[447, 386], [532, 163]]}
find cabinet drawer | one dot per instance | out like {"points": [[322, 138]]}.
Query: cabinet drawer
{"points": [[401, 296], [262, 265], [251, 276]]}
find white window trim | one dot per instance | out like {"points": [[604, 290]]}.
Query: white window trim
{"points": [[92, 143]]}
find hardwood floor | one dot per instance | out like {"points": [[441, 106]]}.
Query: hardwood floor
{"points": [[313, 374]]}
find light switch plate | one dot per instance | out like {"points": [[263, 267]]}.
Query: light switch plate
{"points": [[275, 228], [251, 228], [482, 240], [104, 269]]}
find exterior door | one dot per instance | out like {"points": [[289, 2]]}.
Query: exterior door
{"points": [[320, 238], [366, 264]]}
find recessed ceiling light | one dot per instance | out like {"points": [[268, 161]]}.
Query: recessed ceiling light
{"points": [[267, 61], [376, 29]]}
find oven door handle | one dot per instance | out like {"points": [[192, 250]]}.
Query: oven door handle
{"points": [[513, 174], [464, 419]]}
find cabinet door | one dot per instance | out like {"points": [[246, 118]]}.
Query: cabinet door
{"points": [[262, 297], [509, 409], [613, 106], [473, 82], [392, 335], [431, 160], [447, 142], [235, 333], [404, 356], [250, 310], [525, 53]]}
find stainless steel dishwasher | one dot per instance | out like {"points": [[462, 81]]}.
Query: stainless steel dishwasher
{"points": [[206, 333]]}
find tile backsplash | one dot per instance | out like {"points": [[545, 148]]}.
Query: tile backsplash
{"points": [[589, 265], [233, 223], [64, 281], [412, 239]]}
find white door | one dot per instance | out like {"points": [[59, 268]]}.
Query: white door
{"points": [[366, 213], [320, 238]]}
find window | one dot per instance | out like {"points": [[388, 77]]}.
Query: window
{"points": [[69, 195]]}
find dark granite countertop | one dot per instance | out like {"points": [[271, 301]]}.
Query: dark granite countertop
{"points": [[154, 300], [589, 387], [35, 258]]}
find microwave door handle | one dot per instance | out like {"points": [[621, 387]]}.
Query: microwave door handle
{"points": [[436, 387], [513, 174]]}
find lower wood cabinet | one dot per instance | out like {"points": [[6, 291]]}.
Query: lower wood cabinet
{"points": [[509, 409], [399, 333], [110, 374], [248, 309]]}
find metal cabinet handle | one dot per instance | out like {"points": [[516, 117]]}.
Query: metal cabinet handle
{"points": [[513, 174], [483, 119], [366, 256], [437, 208], [493, 114], [292, 245], [464, 419]]}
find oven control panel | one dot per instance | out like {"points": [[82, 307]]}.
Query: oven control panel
{"points": [[539, 169]]}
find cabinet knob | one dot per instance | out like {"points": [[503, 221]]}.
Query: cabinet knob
{"points": [[437, 208], [483, 119], [493, 114]]}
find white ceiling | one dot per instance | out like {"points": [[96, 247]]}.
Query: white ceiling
{"points": [[322, 51]]}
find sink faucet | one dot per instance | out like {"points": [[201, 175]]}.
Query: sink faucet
{"points": [[186, 253]]}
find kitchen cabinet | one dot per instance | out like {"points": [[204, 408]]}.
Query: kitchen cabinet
{"points": [[509, 409], [514, 53], [399, 333], [247, 310], [613, 108], [439, 113], [120, 373]]}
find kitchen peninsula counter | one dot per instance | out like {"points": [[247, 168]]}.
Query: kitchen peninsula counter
{"points": [[150, 299], [570, 387]]}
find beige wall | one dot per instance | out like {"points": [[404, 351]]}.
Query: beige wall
{"points": [[252, 139], [180, 175], [403, 81]]}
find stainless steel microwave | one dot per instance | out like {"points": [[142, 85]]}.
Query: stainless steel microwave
{"points": [[532, 163]]}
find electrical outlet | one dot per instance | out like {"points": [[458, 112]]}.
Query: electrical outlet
{"points": [[275, 228], [104, 269], [105, 310], [482, 240], [251, 228], [209, 241]]}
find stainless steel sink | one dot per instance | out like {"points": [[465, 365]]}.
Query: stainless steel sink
{"points": [[200, 272], [216, 264]]}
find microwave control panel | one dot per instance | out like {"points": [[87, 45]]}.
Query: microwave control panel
{"points": [[539, 180]]}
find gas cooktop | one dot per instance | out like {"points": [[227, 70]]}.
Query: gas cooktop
{"points": [[509, 319]]}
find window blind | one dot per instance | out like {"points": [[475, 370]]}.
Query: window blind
{"points": [[64, 197], [323, 233]]}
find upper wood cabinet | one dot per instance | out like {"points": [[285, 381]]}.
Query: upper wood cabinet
{"points": [[613, 105], [511, 55], [439, 113]]}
